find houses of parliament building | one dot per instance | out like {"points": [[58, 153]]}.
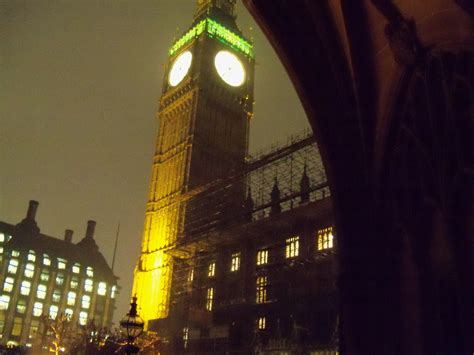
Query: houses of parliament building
{"points": [[243, 255], [237, 253]]}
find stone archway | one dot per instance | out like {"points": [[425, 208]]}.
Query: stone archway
{"points": [[342, 57]]}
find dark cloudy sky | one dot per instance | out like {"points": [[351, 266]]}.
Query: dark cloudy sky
{"points": [[79, 87]]}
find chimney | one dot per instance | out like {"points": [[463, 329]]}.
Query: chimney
{"points": [[90, 229], [68, 235], [32, 207]]}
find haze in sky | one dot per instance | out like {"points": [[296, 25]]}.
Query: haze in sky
{"points": [[80, 83]]}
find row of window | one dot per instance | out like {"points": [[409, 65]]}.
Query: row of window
{"points": [[53, 309], [41, 295], [30, 266], [325, 240], [25, 287], [260, 297]]}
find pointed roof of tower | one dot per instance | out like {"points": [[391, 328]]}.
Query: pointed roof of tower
{"points": [[224, 7], [221, 11]]}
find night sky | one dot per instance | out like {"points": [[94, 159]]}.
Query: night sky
{"points": [[79, 88]]}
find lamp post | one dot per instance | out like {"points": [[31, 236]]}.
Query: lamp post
{"points": [[132, 325]]}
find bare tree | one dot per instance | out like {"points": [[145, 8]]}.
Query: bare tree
{"points": [[60, 333]]}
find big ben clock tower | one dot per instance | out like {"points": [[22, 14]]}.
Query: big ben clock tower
{"points": [[204, 114]]}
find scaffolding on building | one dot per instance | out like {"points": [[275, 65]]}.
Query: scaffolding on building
{"points": [[211, 220], [250, 188]]}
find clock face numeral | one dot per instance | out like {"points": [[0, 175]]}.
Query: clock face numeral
{"points": [[180, 68], [229, 68]]}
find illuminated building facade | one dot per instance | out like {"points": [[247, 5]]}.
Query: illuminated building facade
{"points": [[203, 134], [42, 276], [237, 252]]}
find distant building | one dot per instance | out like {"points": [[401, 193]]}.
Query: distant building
{"points": [[42, 276]]}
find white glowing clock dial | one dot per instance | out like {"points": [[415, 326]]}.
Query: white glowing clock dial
{"points": [[229, 68], [180, 68]]}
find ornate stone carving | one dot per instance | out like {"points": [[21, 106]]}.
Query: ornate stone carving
{"points": [[401, 34], [404, 42]]}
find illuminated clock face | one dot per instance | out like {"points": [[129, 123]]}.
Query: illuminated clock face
{"points": [[180, 68], [229, 68]]}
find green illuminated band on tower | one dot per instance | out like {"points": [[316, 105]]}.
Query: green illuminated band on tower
{"points": [[214, 29]]}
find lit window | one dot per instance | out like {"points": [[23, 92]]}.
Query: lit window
{"points": [[102, 289], [86, 301], [59, 278], [292, 247], [113, 293], [211, 271], [44, 276], [191, 275], [21, 306], [76, 268], [15, 253], [88, 285], [46, 260], [17, 326], [235, 262], [37, 309], [185, 336], [8, 285], [31, 256], [262, 257], [61, 263], [56, 296], [34, 325], [25, 288], [90, 272], [71, 298], [2, 323], [29, 270], [53, 311], [41, 292], [261, 289], [13, 266], [325, 238], [1, 250], [82, 318], [209, 298], [68, 312], [74, 282], [261, 323], [2, 237], [4, 301]]}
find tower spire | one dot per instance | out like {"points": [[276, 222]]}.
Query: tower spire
{"points": [[226, 6]]}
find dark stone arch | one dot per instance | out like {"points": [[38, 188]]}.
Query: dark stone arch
{"points": [[338, 72], [427, 191]]}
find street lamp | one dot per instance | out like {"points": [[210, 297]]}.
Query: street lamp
{"points": [[132, 325]]}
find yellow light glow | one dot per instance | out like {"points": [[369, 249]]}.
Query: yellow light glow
{"points": [[262, 257], [292, 247], [235, 262], [325, 238]]}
